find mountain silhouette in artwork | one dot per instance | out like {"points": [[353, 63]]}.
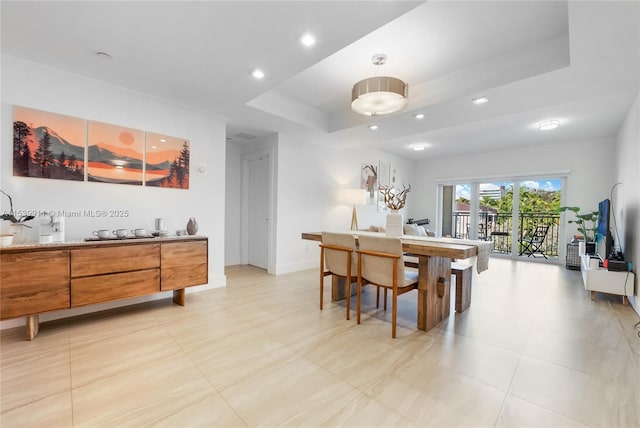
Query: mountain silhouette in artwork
{"points": [[98, 153], [160, 160], [159, 166], [58, 144], [42, 152]]}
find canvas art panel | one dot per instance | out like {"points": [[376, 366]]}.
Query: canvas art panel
{"points": [[167, 161], [48, 145], [114, 154], [384, 179], [369, 182]]}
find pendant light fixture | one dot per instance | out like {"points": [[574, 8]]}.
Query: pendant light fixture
{"points": [[380, 94]]}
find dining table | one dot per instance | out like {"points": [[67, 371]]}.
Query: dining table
{"points": [[434, 270]]}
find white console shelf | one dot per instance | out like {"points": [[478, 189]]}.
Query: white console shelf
{"points": [[604, 281]]}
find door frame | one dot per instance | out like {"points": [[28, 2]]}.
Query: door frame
{"points": [[271, 208], [516, 179]]}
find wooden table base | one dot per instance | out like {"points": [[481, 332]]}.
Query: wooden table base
{"points": [[433, 307], [433, 299], [338, 288]]}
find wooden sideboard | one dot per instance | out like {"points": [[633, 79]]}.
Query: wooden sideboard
{"points": [[41, 278]]}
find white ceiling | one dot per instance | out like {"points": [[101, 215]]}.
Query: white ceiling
{"points": [[578, 62]]}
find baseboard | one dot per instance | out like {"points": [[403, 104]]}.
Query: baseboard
{"points": [[296, 267]]}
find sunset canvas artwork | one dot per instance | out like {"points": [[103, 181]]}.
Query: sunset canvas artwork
{"points": [[167, 161], [114, 154], [47, 145]]}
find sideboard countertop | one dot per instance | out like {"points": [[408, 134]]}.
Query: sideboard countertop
{"points": [[69, 245]]}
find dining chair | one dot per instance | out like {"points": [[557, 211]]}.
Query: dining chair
{"points": [[337, 257], [381, 263]]}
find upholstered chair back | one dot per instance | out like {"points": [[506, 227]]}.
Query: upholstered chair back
{"points": [[377, 269], [335, 260]]}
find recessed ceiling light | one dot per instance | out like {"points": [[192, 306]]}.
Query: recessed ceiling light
{"points": [[162, 140], [373, 127], [480, 100], [548, 125], [257, 73], [103, 55], [419, 116], [418, 147], [154, 147], [308, 40]]}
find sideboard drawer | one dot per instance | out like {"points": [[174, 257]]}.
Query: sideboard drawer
{"points": [[105, 288], [125, 258], [33, 282], [184, 264]]}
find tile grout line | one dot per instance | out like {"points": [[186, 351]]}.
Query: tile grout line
{"points": [[515, 372], [219, 393]]}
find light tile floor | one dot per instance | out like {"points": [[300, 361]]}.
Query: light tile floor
{"points": [[532, 350]]}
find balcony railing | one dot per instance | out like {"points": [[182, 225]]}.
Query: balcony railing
{"points": [[498, 227]]}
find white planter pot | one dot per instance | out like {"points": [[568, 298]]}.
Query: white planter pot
{"points": [[20, 233], [394, 223]]}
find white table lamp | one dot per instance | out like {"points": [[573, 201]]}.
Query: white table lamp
{"points": [[353, 197]]}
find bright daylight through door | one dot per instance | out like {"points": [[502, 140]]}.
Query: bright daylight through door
{"points": [[520, 217]]}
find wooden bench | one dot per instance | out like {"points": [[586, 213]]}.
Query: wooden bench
{"points": [[463, 275]]}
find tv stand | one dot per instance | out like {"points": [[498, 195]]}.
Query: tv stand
{"points": [[604, 281]]}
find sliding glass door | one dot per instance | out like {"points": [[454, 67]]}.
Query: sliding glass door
{"points": [[519, 216], [538, 218], [495, 222]]}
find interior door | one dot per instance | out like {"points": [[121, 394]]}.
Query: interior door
{"points": [[258, 207]]}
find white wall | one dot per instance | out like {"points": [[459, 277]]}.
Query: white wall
{"points": [[36, 86], [308, 179], [233, 187], [590, 165], [626, 198]]}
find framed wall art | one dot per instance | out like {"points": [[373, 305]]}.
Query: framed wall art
{"points": [[47, 145], [384, 179], [167, 161], [369, 181], [114, 154]]}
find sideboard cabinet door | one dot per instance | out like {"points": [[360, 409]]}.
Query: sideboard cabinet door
{"points": [[33, 282], [183, 264]]}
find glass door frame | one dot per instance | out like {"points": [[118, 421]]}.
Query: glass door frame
{"points": [[474, 184]]}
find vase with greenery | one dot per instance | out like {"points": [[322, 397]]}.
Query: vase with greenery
{"points": [[587, 224]]}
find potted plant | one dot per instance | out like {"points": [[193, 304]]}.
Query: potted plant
{"points": [[18, 223], [587, 224]]}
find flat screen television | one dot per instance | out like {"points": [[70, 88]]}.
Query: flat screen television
{"points": [[604, 240]]}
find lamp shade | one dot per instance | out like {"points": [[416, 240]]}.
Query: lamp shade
{"points": [[352, 196], [379, 95]]}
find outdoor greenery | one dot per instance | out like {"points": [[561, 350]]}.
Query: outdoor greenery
{"points": [[531, 201], [537, 208]]}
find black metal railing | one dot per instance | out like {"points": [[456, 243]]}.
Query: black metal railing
{"points": [[498, 227]]}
